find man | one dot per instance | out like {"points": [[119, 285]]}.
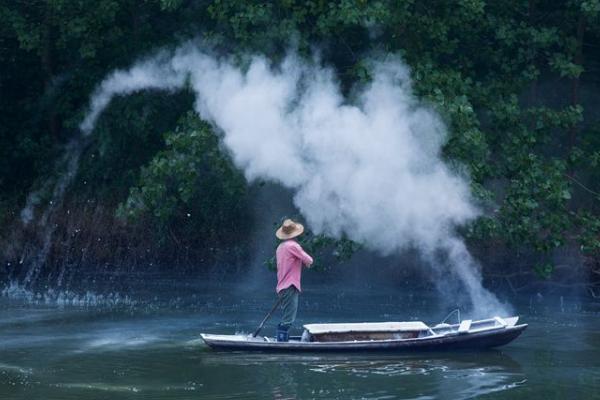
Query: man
{"points": [[290, 258]]}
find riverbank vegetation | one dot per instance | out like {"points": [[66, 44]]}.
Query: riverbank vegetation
{"points": [[516, 81]]}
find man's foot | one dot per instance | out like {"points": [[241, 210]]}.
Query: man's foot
{"points": [[282, 333]]}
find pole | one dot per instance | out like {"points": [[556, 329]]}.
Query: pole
{"points": [[267, 316]]}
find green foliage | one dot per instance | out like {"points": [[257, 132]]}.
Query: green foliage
{"points": [[190, 190], [544, 270], [565, 67], [534, 211], [109, 168], [506, 76], [590, 233], [53, 54], [325, 251]]}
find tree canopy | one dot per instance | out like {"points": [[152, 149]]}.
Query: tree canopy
{"points": [[516, 81]]}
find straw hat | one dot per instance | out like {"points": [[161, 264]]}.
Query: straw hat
{"points": [[289, 230]]}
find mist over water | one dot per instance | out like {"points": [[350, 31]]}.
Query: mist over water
{"points": [[368, 168]]}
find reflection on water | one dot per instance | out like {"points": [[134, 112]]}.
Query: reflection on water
{"points": [[459, 376], [149, 348]]}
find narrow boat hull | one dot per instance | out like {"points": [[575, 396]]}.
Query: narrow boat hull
{"points": [[476, 340]]}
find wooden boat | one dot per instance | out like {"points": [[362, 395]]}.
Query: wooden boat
{"points": [[381, 336]]}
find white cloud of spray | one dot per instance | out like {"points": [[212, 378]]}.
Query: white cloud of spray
{"points": [[370, 169]]}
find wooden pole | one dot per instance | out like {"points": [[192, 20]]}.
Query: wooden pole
{"points": [[267, 316]]}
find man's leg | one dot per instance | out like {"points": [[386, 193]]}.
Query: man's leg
{"points": [[289, 303]]}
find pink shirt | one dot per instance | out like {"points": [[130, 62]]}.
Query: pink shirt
{"points": [[290, 257]]}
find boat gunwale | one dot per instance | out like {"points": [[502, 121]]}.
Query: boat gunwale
{"points": [[433, 340]]}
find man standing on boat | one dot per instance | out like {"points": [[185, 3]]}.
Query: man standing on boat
{"points": [[290, 259]]}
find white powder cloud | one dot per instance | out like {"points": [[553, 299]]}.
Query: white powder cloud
{"points": [[369, 169]]}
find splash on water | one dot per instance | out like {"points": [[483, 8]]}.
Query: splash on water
{"points": [[98, 386], [51, 195], [117, 341], [64, 298]]}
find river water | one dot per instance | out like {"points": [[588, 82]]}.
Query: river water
{"points": [[145, 345]]}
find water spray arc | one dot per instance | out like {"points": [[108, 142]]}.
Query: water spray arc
{"points": [[45, 227], [370, 169]]}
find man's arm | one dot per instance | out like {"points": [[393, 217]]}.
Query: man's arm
{"points": [[299, 252]]}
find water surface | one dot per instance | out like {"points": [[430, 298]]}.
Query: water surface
{"points": [[145, 345]]}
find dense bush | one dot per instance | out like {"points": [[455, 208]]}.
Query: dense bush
{"points": [[517, 82], [191, 190]]}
